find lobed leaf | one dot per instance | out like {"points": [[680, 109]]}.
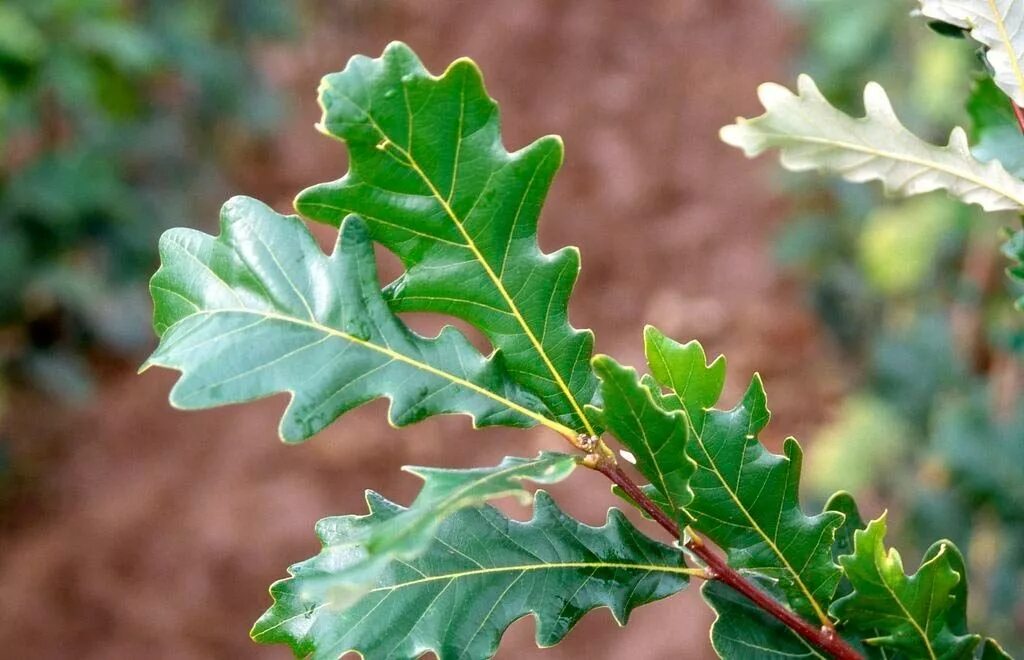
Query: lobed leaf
{"points": [[430, 176], [408, 534], [996, 24], [746, 498], [920, 616], [261, 309], [813, 135], [655, 437], [742, 630], [480, 562]]}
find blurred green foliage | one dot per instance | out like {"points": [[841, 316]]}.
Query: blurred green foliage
{"points": [[915, 296], [115, 119]]}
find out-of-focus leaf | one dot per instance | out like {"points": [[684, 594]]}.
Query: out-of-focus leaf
{"points": [[435, 185], [996, 24], [917, 615], [261, 310], [19, 38], [813, 135], [914, 230], [996, 134], [480, 562], [866, 436]]}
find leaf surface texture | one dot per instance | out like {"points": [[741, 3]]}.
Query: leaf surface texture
{"points": [[811, 134], [480, 562]]}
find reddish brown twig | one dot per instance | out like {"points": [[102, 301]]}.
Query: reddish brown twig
{"points": [[1019, 114], [825, 638]]}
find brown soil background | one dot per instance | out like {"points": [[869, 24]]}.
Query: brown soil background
{"points": [[146, 532]]}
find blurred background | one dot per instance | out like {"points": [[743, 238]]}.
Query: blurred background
{"points": [[883, 328]]}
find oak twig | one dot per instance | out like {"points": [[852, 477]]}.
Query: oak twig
{"points": [[824, 638]]}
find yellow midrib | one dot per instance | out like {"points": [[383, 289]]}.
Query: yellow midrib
{"points": [[881, 153], [471, 244], [540, 419], [757, 528], [910, 618], [650, 568], [1010, 52], [500, 286]]}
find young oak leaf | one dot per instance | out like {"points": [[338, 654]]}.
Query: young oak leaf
{"points": [[743, 630], [409, 533], [654, 436], [813, 135], [996, 24], [431, 178], [919, 616], [745, 498], [480, 562], [261, 309]]}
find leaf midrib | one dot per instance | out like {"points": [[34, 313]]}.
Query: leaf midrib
{"points": [[471, 244], [739, 505], [522, 568], [1011, 52], [763, 534], [881, 153], [540, 419]]}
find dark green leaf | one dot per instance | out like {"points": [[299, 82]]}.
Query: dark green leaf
{"points": [[918, 616], [482, 572], [430, 176], [746, 499], [444, 493], [842, 502], [656, 438], [261, 310], [991, 650], [693, 385], [743, 630]]}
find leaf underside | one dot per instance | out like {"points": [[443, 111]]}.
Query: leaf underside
{"points": [[813, 135], [481, 563], [261, 309], [996, 24], [431, 178]]}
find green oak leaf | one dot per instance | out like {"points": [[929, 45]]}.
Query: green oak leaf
{"points": [[1013, 249], [483, 563], [919, 616], [991, 650], [445, 492], [994, 129], [693, 384], [742, 630], [261, 309], [746, 499], [430, 176], [655, 437], [842, 502]]}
